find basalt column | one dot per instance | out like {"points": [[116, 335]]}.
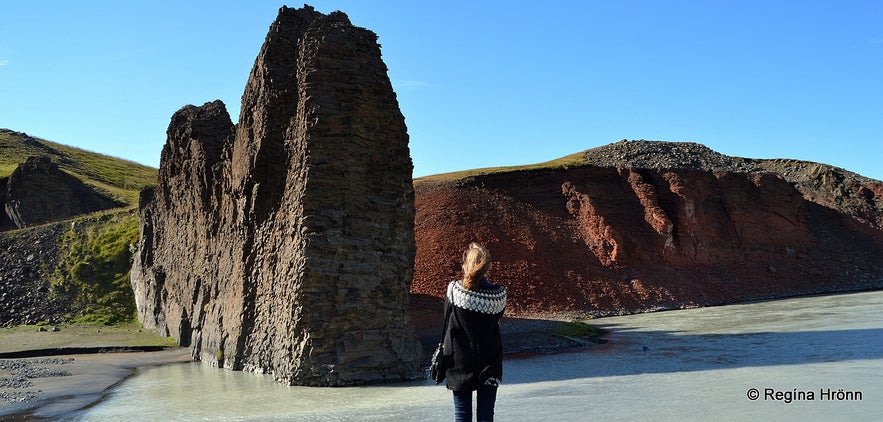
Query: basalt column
{"points": [[285, 244]]}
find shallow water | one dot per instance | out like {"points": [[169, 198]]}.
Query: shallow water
{"points": [[697, 364]]}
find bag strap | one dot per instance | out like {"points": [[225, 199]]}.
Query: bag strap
{"points": [[448, 305]]}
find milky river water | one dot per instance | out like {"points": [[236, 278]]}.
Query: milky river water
{"points": [[812, 358]]}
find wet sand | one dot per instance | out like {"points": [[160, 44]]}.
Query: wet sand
{"points": [[692, 364], [697, 364], [52, 387], [60, 385]]}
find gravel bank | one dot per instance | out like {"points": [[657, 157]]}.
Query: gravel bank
{"points": [[53, 388]]}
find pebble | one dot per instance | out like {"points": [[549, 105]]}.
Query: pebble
{"points": [[18, 374], [15, 382], [19, 396]]}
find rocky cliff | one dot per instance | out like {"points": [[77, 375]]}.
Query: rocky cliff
{"points": [[39, 192], [639, 225], [284, 244]]}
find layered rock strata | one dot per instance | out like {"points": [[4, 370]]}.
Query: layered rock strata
{"points": [[284, 244], [640, 226]]}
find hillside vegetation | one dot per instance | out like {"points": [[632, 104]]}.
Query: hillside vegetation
{"points": [[121, 179], [563, 163], [92, 275], [75, 270]]}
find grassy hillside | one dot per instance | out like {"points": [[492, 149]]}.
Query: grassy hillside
{"points": [[121, 179], [87, 270], [569, 161], [93, 269]]}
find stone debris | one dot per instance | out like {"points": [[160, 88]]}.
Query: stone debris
{"points": [[25, 293], [16, 374]]}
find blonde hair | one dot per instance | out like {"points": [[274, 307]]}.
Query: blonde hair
{"points": [[476, 263]]}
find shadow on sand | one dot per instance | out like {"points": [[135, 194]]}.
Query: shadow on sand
{"points": [[633, 352]]}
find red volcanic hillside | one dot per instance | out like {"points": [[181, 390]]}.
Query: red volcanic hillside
{"points": [[639, 225]]}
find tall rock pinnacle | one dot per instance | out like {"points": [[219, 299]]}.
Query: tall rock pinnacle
{"points": [[285, 244]]}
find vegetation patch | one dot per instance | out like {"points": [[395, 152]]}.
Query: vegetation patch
{"points": [[93, 271], [35, 337], [123, 179], [88, 277], [6, 169], [580, 331], [563, 163]]}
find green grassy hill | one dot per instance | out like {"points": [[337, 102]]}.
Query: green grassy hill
{"points": [[121, 179], [83, 270], [566, 162]]}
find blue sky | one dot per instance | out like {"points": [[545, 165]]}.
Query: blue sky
{"points": [[481, 84]]}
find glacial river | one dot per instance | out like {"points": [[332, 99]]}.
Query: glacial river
{"points": [[813, 358]]}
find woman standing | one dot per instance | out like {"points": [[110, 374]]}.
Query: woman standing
{"points": [[472, 342]]}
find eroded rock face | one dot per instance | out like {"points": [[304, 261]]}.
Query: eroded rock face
{"points": [[653, 225], [284, 244], [38, 192]]}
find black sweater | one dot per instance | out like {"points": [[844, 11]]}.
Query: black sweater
{"points": [[472, 344]]}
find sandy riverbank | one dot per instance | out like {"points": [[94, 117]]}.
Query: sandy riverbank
{"points": [[64, 384], [58, 385], [45, 372]]}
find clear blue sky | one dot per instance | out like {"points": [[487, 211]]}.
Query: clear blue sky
{"points": [[480, 83]]}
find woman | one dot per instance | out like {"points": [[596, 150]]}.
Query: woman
{"points": [[472, 344]]}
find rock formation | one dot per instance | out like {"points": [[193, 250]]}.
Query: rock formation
{"points": [[284, 244], [38, 192], [638, 226]]}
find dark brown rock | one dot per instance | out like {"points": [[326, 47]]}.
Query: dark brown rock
{"points": [[285, 244], [5, 221], [38, 192]]}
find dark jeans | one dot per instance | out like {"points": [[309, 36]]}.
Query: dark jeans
{"points": [[486, 397]]}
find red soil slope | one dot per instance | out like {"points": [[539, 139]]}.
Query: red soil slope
{"points": [[600, 240]]}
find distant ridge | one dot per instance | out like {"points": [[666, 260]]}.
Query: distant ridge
{"points": [[116, 177], [645, 154], [690, 155], [828, 185]]}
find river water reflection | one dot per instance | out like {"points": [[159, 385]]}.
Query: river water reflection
{"points": [[697, 364]]}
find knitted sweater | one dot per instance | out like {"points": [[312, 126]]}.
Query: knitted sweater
{"points": [[472, 344]]}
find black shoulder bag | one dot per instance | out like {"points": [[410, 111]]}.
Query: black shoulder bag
{"points": [[438, 365]]}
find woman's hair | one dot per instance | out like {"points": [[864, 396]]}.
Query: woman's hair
{"points": [[476, 263]]}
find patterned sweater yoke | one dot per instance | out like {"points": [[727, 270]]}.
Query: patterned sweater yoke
{"points": [[486, 300]]}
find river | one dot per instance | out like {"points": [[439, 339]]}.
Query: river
{"points": [[810, 358]]}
